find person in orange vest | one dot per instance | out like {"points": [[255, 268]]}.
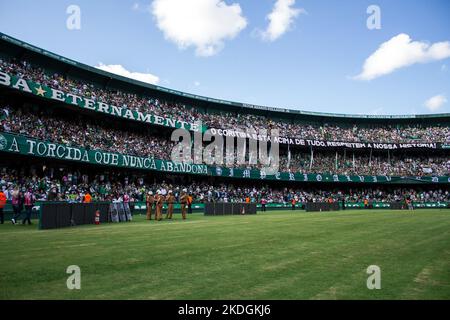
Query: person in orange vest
{"points": [[150, 200], [293, 202], [87, 197], [183, 202], [2, 205], [170, 199]]}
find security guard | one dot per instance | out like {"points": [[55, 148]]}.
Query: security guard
{"points": [[150, 200], [170, 199], [183, 201], [189, 202], [159, 205]]}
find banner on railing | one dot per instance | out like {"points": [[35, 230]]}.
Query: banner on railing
{"points": [[26, 146], [31, 147], [79, 101]]}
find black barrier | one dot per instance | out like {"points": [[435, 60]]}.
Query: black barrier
{"points": [[397, 205], [77, 214], [103, 207], [219, 209], [228, 208], [321, 206], [209, 209], [89, 213], [48, 221], [237, 208], [62, 214], [250, 208]]}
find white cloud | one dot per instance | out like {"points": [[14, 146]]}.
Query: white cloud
{"points": [[436, 102], [280, 19], [399, 52], [120, 70], [203, 24], [141, 8]]}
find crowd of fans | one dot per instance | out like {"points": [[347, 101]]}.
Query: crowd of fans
{"points": [[344, 163], [66, 185], [83, 132], [226, 120]]}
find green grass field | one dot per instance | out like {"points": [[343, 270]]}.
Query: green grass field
{"points": [[276, 255]]}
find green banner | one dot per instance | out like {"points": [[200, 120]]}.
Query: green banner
{"points": [[313, 177], [350, 205], [22, 145], [42, 91], [31, 147]]}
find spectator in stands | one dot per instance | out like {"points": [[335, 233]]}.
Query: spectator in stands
{"points": [[98, 136], [87, 198], [103, 184]]}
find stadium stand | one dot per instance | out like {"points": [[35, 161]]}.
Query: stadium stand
{"points": [[67, 129]]}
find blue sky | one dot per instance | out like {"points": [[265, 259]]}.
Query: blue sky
{"points": [[309, 64]]}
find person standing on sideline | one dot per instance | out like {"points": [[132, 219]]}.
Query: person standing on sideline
{"points": [[183, 201], [17, 204], [410, 204], [2, 205], [150, 200], [293, 202], [170, 201], [263, 204], [126, 206], [28, 202], [159, 205], [366, 203], [189, 202]]}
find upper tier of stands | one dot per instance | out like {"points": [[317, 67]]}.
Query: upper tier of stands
{"points": [[38, 65]]}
